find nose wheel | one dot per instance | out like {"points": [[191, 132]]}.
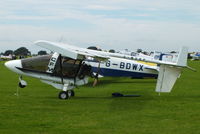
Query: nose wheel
{"points": [[22, 83], [66, 94]]}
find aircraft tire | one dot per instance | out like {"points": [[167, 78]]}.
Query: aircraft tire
{"points": [[21, 86], [63, 95]]}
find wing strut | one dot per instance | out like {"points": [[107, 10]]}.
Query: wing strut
{"points": [[97, 75], [61, 69]]}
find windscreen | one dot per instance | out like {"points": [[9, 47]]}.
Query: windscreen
{"points": [[67, 67], [39, 63]]}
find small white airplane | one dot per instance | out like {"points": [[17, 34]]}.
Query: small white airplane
{"points": [[71, 66], [196, 56]]}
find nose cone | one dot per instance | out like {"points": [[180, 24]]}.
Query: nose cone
{"points": [[12, 65]]}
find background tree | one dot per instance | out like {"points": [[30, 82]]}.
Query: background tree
{"points": [[112, 51], [139, 50], [42, 52], [145, 53], [1, 53], [173, 52], [93, 48], [8, 52], [22, 51]]}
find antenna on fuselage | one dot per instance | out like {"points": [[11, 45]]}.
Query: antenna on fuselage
{"points": [[61, 39]]}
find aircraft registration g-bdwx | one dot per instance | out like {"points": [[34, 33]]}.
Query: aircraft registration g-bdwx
{"points": [[71, 66]]}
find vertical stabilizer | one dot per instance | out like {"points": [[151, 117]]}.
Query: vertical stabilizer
{"points": [[182, 57]]}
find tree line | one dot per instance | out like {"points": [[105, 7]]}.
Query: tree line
{"points": [[22, 51]]}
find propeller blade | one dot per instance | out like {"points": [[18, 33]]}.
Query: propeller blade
{"points": [[95, 82]]}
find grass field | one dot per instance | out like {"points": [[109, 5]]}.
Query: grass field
{"points": [[37, 110]]}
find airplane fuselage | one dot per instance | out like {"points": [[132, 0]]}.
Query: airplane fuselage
{"points": [[117, 67]]}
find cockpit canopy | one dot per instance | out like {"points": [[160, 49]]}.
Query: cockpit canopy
{"points": [[68, 67], [39, 63]]}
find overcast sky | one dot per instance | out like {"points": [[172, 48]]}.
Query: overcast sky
{"points": [[162, 25]]}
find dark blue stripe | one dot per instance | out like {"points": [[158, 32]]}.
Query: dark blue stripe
{"points": [[121, 73]]}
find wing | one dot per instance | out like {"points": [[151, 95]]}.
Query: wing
{"points": [[71, 51], [82, 53]]}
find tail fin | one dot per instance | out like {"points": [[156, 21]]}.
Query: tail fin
{"points": [[182, 57], [168, 73]]}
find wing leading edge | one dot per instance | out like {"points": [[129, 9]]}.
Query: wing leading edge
{"points": [[69, 50]]}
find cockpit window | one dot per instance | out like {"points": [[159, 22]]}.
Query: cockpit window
{"points": [[39, 63], [70, 67]]}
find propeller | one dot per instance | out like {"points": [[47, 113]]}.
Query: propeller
{"points": [[96, 76]]}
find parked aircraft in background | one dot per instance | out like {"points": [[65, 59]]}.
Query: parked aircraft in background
{"points": [[169, 57], [9, 57], [195, 56], [71, 66]]}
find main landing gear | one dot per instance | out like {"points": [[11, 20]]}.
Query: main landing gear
{"points": [[66, 92]]}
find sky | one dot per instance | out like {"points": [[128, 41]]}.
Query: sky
{"points": [[161, 25]]}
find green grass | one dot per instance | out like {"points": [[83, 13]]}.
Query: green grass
{"points": [[37, 110]]}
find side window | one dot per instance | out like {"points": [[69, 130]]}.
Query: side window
{"points": [[69, 67]]}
